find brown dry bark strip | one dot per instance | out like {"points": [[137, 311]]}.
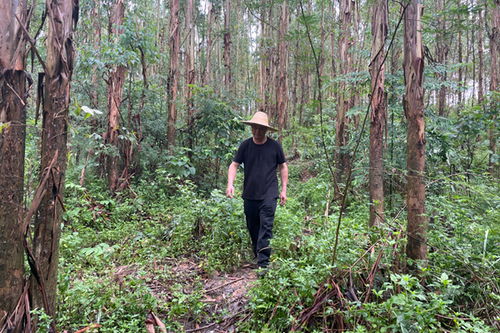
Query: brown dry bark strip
{"points": [[371, 276], [39, 194], [22, 308]]}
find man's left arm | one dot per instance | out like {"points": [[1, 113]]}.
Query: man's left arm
{"points": [[284, 182]]}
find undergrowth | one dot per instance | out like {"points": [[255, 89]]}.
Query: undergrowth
{"points": [[111, 246]]}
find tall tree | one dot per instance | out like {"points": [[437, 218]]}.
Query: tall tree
{"points": [[189, 68], [208, 55], [96, 41], [442, 49], [495, 96], [115, 84], [414, 111], [62, 17], [13, 96], [282, 79], [480, 53], [227, 46], [378, 112], [460, 69], [342, 155], [173, 73]]}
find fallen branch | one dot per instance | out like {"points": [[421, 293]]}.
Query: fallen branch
{"points": [[201, 328], [223, 285]]}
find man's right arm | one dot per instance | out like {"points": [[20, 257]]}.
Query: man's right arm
{"points": [[231, 175]]}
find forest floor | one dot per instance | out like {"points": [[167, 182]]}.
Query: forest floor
{"points": [[221, 297]]}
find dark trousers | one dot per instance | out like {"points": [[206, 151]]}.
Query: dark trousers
{"points": [[260, 219]]}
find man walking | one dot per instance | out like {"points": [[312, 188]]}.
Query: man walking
{"points": [[260, 156]]}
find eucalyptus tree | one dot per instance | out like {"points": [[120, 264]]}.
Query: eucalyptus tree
{"points": [[62, 17], [115, 82], [413, 64], [342, 157], [211, 19], [494, 37], [442, 51], [228, 77], [378, 113], [282, 77], [13, 100], [173, 75]]}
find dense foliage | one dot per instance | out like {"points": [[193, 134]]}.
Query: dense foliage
{"points": [[112, 248], [151, 243]]}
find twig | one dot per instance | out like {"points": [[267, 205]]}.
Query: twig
{"points": [[32, 43], [223, 285], [201, 328], [15, 92]]}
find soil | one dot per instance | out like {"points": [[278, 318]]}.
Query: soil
{"points": [[224, 295]]}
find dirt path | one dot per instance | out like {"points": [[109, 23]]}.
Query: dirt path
{"points": [[221, 298]]}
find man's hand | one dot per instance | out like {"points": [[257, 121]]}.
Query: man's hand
{"points": [[284, 182], [230, 191], [283, 198], [231, 175]]}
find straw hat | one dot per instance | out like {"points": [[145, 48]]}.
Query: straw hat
{"points": [[259, 118]]}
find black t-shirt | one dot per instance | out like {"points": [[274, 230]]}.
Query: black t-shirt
{"points": [[260, 163]]}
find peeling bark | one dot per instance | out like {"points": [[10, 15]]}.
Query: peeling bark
{"points": [[115, 83], [414, 111], [13, 96], [378, 113], [342, 158], [61, 21]]}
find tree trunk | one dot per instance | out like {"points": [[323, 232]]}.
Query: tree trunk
{"points": [[264, 61], [282, 84], [115, 89], [495, 99], [59, 68], [442, 50], [190, 72], [332, 39], [96, 40], [460, 69], [13, 98], [480, 52], [342, 155], [208, 55], [227, 46], [414, 112], [378, 113], [173, 72]]}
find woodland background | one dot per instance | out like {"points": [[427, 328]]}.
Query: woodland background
{"points": [[118, 119]]}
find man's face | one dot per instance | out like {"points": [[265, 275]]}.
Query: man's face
{"points": [[259, 132]]}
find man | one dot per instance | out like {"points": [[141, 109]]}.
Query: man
{"points": [[260, 156]]}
